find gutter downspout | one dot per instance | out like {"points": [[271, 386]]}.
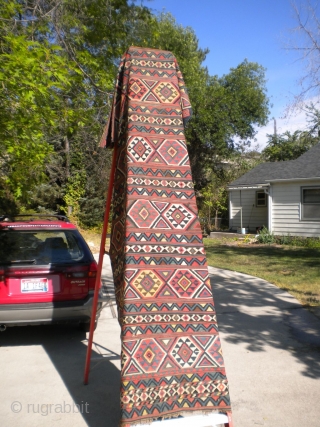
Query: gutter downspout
{"points": [[270, 224], [240, 211], [230, 211]]}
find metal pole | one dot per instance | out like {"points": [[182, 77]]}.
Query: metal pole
{"points": [[99, 268]]}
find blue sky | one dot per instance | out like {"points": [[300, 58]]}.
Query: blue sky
{"points": [[257, 30]]}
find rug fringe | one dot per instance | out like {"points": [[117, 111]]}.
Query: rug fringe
{"points": [[181, 414]]}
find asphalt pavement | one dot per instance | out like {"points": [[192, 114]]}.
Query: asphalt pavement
{"points": [[271, 346]]}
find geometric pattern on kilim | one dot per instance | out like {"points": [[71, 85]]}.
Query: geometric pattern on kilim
{"points": [[157, 182], [170, 173], [167, 307], [157, 249], [170, 194], [171, 317], [161, 237], [152, 394], [176, 121], [171, 358], [168, 328], [160, 260]]}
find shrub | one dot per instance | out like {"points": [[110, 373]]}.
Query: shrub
{"points": [[265, 236]]}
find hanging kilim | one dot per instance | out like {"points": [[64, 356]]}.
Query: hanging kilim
{"points": [[171, 355]]}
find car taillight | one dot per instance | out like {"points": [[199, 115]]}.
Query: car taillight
{"points": [[93, 269], [92, 275]]}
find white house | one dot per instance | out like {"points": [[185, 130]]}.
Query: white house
{"points": [[282, 196]]}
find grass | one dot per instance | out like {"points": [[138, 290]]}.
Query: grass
{"points": [[294, 269], [93, 239]]}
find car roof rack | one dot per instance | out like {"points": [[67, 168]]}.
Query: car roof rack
{"points": [[33, 217]]}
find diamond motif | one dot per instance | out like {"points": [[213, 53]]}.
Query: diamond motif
{"points": [[139, 149], [137, 89], [147, 283], [149, 355], [184, 283], [185, 352], [166, 92], [173, 152], [179, 216], [143, 213]]}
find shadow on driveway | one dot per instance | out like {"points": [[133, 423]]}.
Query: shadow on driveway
{"points": [[256, 314], [66, 348]]}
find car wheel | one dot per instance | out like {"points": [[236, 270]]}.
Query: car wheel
{"points": [[85, 326]]}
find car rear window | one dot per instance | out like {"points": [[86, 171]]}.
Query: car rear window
{"points": [[41, 247]]}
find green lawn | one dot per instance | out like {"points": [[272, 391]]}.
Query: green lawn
{"points": [[296, 270]]}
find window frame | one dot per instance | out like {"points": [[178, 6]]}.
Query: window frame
{"points": [[302, 203], [265, 199]]}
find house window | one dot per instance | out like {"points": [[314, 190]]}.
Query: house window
{"points": [[261, 199], [310, 204]]}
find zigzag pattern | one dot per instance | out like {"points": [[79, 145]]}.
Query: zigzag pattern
{"points": [[157, 249], [167, 307], [169, 111], [143, 53], [157, 183], [167, 121], [151, 382], [132, 331], [142, 63], [151, 130], [136, 170], [151, 395], [171, 317], [171, 360], [151, 72], [142, 191], [190, 261], [162, 237]]}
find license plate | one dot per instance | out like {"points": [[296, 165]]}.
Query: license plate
{"points": [[34, 285]]}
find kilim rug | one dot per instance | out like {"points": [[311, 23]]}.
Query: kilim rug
{"points": [[171, 355]]}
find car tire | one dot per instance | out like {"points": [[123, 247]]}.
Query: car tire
{"points": [[85, 326]]}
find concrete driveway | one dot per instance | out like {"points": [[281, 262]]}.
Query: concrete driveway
{"points": [[271, 347]]}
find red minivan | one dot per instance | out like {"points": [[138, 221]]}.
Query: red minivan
{"points": [[47, 272]]}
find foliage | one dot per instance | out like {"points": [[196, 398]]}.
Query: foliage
{"points": [[226, 110], [288, 146], [58, 64], [213, 198], [307, 46], [265, 236], [305, 242], [225, 117], [32, 77]]}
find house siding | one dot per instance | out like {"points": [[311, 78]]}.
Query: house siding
{"points": [[252, 216], [286, 205]]}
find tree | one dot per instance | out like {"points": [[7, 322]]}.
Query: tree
{"points": [[307, 46], [225, 117], [32, 77], [61, 58], [288, 146], [226, 109], [58, 64], [213, 198]]}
